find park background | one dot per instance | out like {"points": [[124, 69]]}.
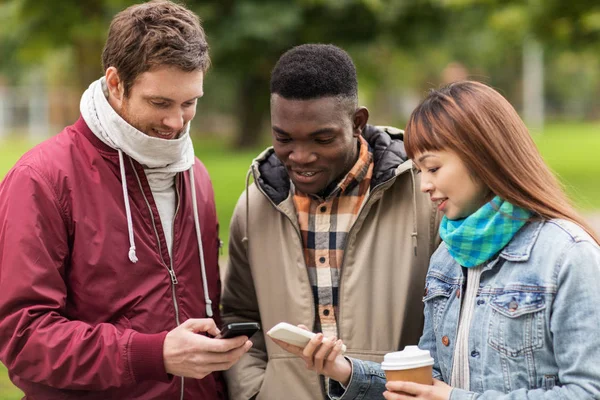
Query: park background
{"points": [[543, 55]]}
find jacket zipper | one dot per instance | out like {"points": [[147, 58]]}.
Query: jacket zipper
{"points": [[170, 269], [174, 280]]}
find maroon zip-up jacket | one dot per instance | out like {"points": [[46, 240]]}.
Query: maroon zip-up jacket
{"points": [[77, 318]]}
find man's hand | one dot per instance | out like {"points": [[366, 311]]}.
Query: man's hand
{"points": [[322, 355], [399, 390], [194, 356]]}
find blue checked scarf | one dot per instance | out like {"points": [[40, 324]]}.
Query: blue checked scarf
{"points": [[474, 240]]}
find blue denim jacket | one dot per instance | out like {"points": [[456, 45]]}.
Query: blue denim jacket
{"points": [[536, 325]]}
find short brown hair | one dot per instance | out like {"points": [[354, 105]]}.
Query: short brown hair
{"points": [[485, 131], [151, 34]]}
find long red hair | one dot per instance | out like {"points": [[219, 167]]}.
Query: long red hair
{"points": [[481, 126]]}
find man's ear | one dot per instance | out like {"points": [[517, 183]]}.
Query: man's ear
{"points": [[361, 116], [114, 84]]}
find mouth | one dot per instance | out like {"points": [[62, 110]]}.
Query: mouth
{"points": [[441, 203], [305, 176], [165, 134]]}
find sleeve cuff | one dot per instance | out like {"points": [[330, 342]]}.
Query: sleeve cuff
{"points": [[146, 357], [460, 394], [364, 373], [336, 390]]}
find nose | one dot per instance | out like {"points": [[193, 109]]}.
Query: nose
{"points": [[174, 121], [426, 185], [302, 155]]}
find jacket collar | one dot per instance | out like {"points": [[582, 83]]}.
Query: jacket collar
{"points": [[388, 154], [82, 127], [519, 248]]}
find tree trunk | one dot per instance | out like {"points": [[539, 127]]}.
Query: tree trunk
{"points": [[88, 56], [252, 109], [533, 84]]}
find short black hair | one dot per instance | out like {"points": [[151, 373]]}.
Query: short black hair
{"points": [[311, 71]]}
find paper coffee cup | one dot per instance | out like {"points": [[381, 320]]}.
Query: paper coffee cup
{"points": [[411, 364]]}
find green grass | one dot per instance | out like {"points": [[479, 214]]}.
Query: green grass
{"points": [[7, 390], [571, 150], [573, 153], [227, 170]]}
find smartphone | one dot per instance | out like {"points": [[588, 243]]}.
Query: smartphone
{"points": [[239, 329]]}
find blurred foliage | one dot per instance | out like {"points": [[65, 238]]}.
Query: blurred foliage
{"points": [[247, 38], [399, 46], [32, 30]]}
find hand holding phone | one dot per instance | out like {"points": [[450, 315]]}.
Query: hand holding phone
{"points": [[322, 355], [293, 335], [238, 329]]}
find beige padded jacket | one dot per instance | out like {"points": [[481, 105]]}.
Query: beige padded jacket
{"points": [[382, 276]]}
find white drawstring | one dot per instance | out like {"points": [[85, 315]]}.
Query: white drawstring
{"points": [[248, 200], [207, 299], [414, 200], [132, 256]]}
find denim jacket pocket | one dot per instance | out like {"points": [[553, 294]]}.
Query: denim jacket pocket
{"points": [[517, 322], [436, 298]]}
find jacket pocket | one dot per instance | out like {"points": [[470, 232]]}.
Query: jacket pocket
{"points": [[436, 297], [517, 322]]}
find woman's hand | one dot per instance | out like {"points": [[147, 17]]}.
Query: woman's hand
{"points": [[399, 390], [322, 355]]}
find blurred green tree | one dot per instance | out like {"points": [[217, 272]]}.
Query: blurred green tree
{"points": [[31, 30], [248, 36]]}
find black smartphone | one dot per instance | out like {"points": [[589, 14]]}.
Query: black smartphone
{"points": [[239, 329]]}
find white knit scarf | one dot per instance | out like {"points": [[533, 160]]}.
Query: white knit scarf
{"points": [[159, 155]]}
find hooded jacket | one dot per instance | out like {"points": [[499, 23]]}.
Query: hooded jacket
{"points": [[381, 279], [77, 318]]}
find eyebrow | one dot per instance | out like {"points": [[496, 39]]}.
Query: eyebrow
{"points": [[424, 157], [169, 100], [315, 133]]}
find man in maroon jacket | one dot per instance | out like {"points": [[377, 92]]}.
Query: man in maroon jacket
{"points": [[109, 282]]}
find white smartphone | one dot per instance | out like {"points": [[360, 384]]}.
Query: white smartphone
{"points": [[293, 335]]}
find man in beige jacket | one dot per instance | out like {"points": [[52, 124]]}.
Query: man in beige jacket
{"points": [[333, 233]]}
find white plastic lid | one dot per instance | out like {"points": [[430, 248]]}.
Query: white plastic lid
{"points": [[410, 357]]}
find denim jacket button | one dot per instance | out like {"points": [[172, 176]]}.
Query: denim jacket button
{"points": [[480, 302], [513, 305], [458, 293], [446, 341], [475, 354]]}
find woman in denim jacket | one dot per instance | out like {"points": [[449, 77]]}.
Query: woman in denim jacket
{"points": [[512, 297]]}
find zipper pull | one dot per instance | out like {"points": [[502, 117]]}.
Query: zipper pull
{"points": [[220, 247], [173, 277]]}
